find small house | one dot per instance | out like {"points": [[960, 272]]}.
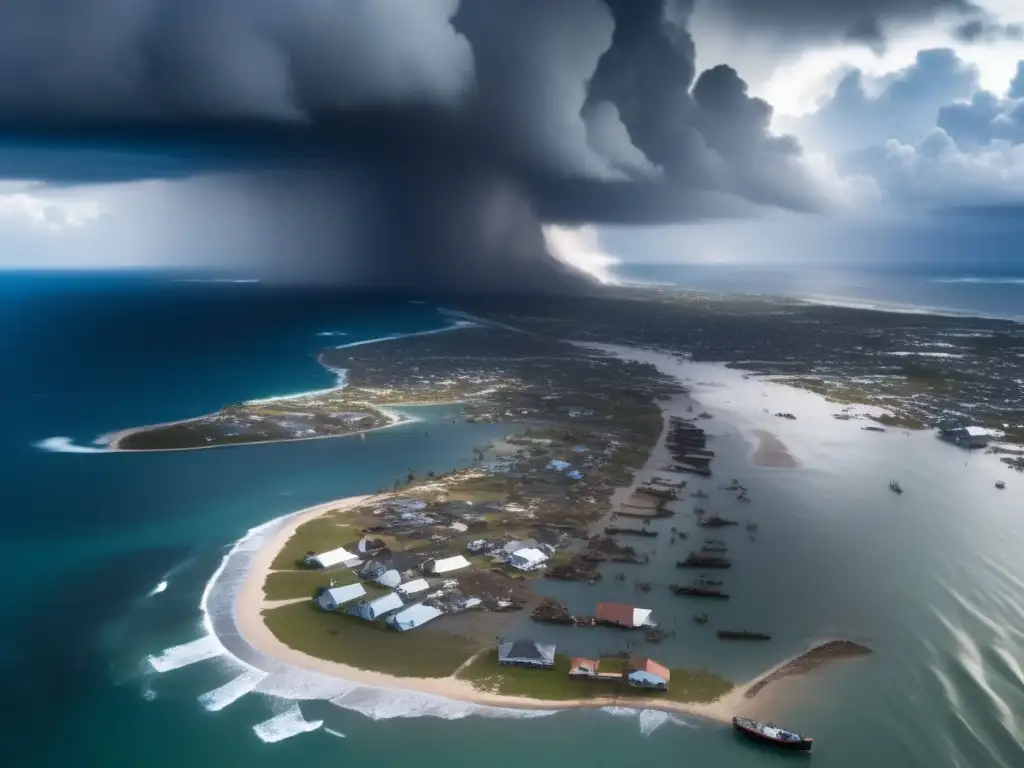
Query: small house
{"points": [[967, 437], [645, 673], [526, 653], [330, 558], [626, 616], [372, 570], [390, 578], [447, 564], [374, 609], [527, 559], [413, 587], [335, 597], [413, 616], [579, 667]]}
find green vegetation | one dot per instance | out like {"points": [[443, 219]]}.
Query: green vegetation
{"points": [[348, 640], [486, 674], [318, 535], [286, 585], [485, 488]]}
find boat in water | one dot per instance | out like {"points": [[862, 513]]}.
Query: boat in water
{"points": [[895, 487], [771, 735], [1000, 484]]}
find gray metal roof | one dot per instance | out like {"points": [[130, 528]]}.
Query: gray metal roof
{"points": [[526, 650]]}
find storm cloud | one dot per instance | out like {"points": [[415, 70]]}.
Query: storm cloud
{"points": [[422, 143]]}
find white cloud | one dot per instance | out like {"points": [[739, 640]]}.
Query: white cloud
{"points": [[580, 247], [23, 203]]}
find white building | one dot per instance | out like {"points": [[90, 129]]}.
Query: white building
{"points": [[373, 610], [448, 564], [390, 579], [413, 587], [528, 559], [413, 616], [331, 558], [335, 597]]}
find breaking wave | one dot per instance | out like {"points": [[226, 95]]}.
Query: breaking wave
{"points": [[289, 723], [67, 445], [232, 691], [185, 654], [649, 720]]}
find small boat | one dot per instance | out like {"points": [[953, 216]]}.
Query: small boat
{"points": [[698, 592], [1000, 484], [895, 487], [772, 735], [742, 634], [701, 618]]}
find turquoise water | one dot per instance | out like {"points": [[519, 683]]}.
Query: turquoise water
{"points": [[932, 580]]}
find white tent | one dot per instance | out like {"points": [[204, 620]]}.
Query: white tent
{"points": [[390, 578], [413, 616], [527, 559], [332, 599], [375, 609], [449, 564], [331, 558], [413, 587]]}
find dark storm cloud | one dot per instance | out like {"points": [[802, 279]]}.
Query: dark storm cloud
{"points": [[987, 30], [476, 121]]}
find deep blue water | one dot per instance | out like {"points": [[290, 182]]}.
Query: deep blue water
{"points": [[963, 289], [87, 536]]}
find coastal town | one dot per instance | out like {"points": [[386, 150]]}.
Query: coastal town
{"points": [[487, 575]]}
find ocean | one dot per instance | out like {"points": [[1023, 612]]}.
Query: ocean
{"points": [[107, 555], [978, 290]]}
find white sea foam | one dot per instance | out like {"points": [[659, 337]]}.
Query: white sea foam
{"points": [[340, 382], [649, 720], [388, 704], [217, 280], [289, 723], [179, 656], [332, 333], [67, 445], [232, 691], [453, 327], [158, 588]]}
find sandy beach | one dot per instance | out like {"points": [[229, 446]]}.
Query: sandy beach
{"points": [[112, 440], [250, 604]]}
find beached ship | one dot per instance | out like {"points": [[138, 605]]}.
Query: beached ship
{"points": [[772, 735]]}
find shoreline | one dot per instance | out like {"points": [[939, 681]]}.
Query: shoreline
{"points": [[248, 605], [111, 441]]}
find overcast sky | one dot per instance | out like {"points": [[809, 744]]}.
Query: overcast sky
{"points": [[613, 127]]}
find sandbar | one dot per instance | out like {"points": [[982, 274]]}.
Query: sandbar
{"points": [[772, 452]]}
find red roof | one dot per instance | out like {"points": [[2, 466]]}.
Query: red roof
{"points": [[649, 665], [615, 613], [581, 663]]}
